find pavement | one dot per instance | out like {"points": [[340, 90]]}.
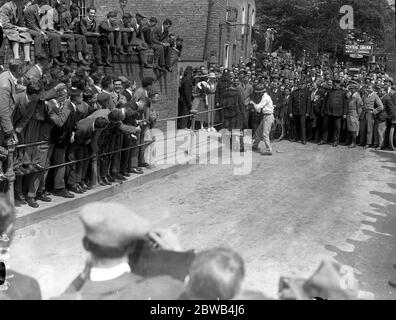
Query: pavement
{"points": [[296, 208]]}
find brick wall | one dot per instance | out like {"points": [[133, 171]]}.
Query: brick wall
{"points": [[218, 9], [167, 84]]}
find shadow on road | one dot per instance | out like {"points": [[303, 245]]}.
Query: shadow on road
{"points": [[374, 259]]}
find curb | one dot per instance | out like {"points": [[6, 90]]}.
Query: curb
{"points": [[99, 193]]}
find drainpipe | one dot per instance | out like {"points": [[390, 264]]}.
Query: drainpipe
{"points": [[207, 36]]}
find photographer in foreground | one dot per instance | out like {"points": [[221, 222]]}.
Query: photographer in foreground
{"points": [[112, 234]]}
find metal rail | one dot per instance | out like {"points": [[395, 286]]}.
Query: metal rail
{"points": [[11, 175]]}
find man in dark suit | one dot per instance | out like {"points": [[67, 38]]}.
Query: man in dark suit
{"points": [[299, 109], [32, 22], [111, 32], [111, 233], [39, 70], [137, 39], [334, 110], [161, 46], [129, 88], [9, 89], [99, 43], [16, 286], [276, 95], [317, 96], [85, 145]]}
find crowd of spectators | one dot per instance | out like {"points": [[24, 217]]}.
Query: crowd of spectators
{"points": [[75, 115], [321, 103], [67, 33], [63, 102]]}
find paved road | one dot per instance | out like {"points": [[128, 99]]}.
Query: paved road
{"points": [[296, 208]]}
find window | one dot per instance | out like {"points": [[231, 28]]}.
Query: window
{"points": [[232, 14], [243, 20], [226, 56], [83, 7]]}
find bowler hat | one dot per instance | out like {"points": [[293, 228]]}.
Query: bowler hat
{"points": [[112, 225]]}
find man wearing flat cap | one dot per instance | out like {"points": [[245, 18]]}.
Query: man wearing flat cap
{"points": [[334, 111], [112, 232], [355, 104], [111, 31], [372, 106]]}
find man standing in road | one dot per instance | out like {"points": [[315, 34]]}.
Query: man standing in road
{"points": [[266, 107], [299, 110]]}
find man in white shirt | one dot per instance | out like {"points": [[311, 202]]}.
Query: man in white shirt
{"points": [[266, 107]]}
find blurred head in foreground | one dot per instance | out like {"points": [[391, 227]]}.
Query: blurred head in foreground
{"points": [[215, 274]]}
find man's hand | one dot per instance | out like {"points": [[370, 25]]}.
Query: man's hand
{"points": [[344, 116], [18, 130], [290, 116], [166, 240], [22, 29], [165, 44], [45, 36], [307, 115]]}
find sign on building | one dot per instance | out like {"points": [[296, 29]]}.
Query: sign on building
{"points": [[359, 49]]}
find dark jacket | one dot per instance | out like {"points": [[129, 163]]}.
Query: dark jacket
{"points": [[336, 104], [105, 27], [147, 33], [299, 102], [389, 110], [20, 287], [234, 111], [186, 88], [87, 27], [32, 17], [62, 135], [85, 134], [158, 36], [129, 286]]}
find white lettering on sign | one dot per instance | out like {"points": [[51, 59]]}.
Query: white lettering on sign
{"points": [[347, 21]]}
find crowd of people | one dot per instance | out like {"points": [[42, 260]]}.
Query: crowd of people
{"points": [[75, 115], [63, 102], [51, 22], [319, 103]]}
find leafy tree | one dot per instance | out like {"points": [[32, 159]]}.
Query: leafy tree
{"points": [[313, 25]]}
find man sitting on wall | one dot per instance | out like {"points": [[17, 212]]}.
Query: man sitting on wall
{"points": [[111, 32], [99, 44], [161, 46]]}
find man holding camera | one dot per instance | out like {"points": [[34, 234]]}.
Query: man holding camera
{"points": [[113, 233]]}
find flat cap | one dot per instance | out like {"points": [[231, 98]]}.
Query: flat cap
{"points": [[103, 97], [112, 224]]}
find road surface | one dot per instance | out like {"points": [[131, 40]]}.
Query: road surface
{"points": [[303, 205]]}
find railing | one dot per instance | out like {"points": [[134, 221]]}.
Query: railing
{"points": [[11, 176]]}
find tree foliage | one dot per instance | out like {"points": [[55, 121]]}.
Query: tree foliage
{"points": [[313, 25]]}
